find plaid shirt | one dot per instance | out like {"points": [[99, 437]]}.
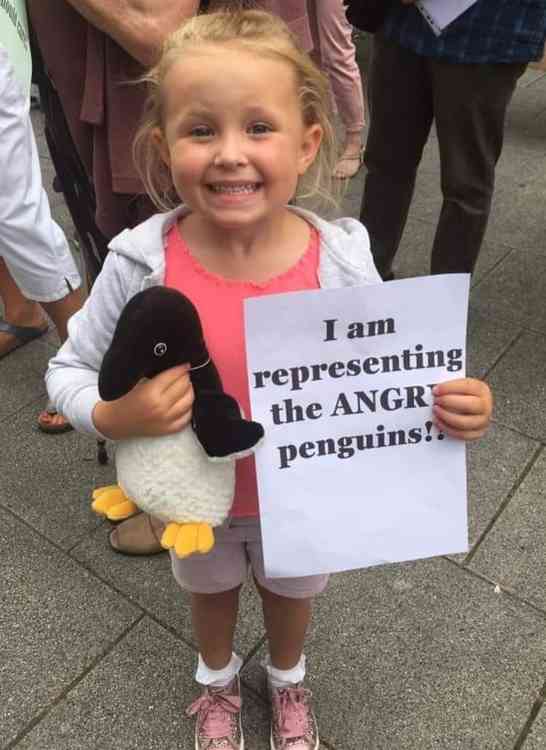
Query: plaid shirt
{"points": [[491, 31]]}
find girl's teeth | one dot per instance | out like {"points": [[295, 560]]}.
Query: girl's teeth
{"points": [[234, 188]]}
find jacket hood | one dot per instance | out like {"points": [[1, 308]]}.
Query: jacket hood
{"points": [[345, 240]]}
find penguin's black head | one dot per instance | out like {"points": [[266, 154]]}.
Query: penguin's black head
{"points": [[158, 328]]}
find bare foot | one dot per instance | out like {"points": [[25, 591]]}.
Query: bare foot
{"points": [[53, 422]]}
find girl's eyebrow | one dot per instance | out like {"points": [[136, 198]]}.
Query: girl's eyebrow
{"points": [[196, 112]]}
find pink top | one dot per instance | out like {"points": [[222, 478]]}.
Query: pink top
{"points": [[219, 302]]}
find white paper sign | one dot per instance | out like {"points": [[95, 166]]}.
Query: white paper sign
{"points": [[351, 472], [440, 13]]}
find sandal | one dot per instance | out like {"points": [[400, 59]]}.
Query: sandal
{"points": [[138, 535], [356, 161], [22, 335], [51, 422]]}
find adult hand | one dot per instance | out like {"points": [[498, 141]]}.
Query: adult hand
{"points": [[159, 406], [462, 408], [139, 26]]}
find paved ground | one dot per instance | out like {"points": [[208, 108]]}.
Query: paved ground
{"points": [[96, 649]]}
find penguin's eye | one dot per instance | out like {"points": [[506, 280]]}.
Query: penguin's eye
{"points": [[160, 349]]}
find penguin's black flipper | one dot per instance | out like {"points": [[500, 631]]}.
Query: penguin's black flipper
{"points": [[220, 428]]}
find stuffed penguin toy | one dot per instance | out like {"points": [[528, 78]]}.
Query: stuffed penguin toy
{"points": [[186, 480]]}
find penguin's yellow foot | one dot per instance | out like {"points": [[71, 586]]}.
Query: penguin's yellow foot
{"points": [[187, 538], [112, 502]]}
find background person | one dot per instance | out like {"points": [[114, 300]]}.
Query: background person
{"points": [[36, 265], [93, 112], [462, 81], [335, 53]]}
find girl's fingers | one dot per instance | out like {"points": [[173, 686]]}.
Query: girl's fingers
{"points": [[177, 390], [179, 424], [464, 387], [459, 434], [461, 404], [169, 377], [460, 421]]}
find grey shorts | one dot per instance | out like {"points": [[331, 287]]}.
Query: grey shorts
{"points": [[237, 550]]}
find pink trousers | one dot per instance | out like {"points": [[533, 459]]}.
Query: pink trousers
{"points": [[335, 53]]}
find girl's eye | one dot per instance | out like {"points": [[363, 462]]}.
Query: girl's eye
{"points": [[201, 131], [259, 128]]}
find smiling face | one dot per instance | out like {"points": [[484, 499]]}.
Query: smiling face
{"points": [[233, 135]]}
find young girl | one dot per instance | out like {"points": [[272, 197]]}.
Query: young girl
{"points": [[237, 123]]}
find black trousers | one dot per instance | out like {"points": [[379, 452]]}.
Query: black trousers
{"points": [[468, 103]]}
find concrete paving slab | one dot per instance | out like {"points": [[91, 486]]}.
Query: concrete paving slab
{"points": [[528, 102], [49, 478], [421, 655], [21, 379], [148, 581], [519, 386], [536, 739], [55, 619], [530, 76], [413, 257], [495, 465], [517, 216], [135, 698], [524, 140], [514, 291], [487, 340], [512, 554]]}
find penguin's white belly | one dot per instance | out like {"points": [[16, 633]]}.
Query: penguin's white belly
{"points": [[171, 478]]}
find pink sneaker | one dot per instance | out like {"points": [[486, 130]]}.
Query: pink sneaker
{"points": [[218, 725], [293, 723]]}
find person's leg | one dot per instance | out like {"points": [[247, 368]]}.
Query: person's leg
{"points": [[336, 54], [287, 607], [286, 622], [214, 617], [218, 709], [400, 103], [36, 264], [470, 103], [60, 311], [18, 310], [214, 581]]}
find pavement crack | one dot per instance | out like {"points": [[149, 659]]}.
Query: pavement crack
{"points": [[535, 708], [71, 685], [502, 507]]}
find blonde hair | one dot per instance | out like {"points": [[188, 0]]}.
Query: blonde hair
{"points": [[265, 35]]}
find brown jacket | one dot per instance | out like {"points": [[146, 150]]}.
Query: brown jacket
{"points": [[94, 78]]}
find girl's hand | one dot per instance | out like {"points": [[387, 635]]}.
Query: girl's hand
{"points": [[159, 406], [462, 408]]}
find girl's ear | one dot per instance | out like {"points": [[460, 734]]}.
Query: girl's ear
{"points": [[310, 145], [158, 139]]}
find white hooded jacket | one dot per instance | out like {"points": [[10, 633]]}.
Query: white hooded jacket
{"points": [[136, 261]]}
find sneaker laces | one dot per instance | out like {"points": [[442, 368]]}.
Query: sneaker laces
{"points": [[216, 709], [293, 712]]}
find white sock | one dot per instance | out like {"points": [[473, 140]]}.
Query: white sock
{"points": [[218, 677], [281, 678]]}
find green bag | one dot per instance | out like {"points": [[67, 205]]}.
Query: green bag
{"points": [[14, 38]]}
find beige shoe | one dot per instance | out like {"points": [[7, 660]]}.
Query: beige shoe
{"points": [[138, 535]]}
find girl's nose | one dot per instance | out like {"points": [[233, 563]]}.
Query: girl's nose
{"points": [[230, 153]]}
